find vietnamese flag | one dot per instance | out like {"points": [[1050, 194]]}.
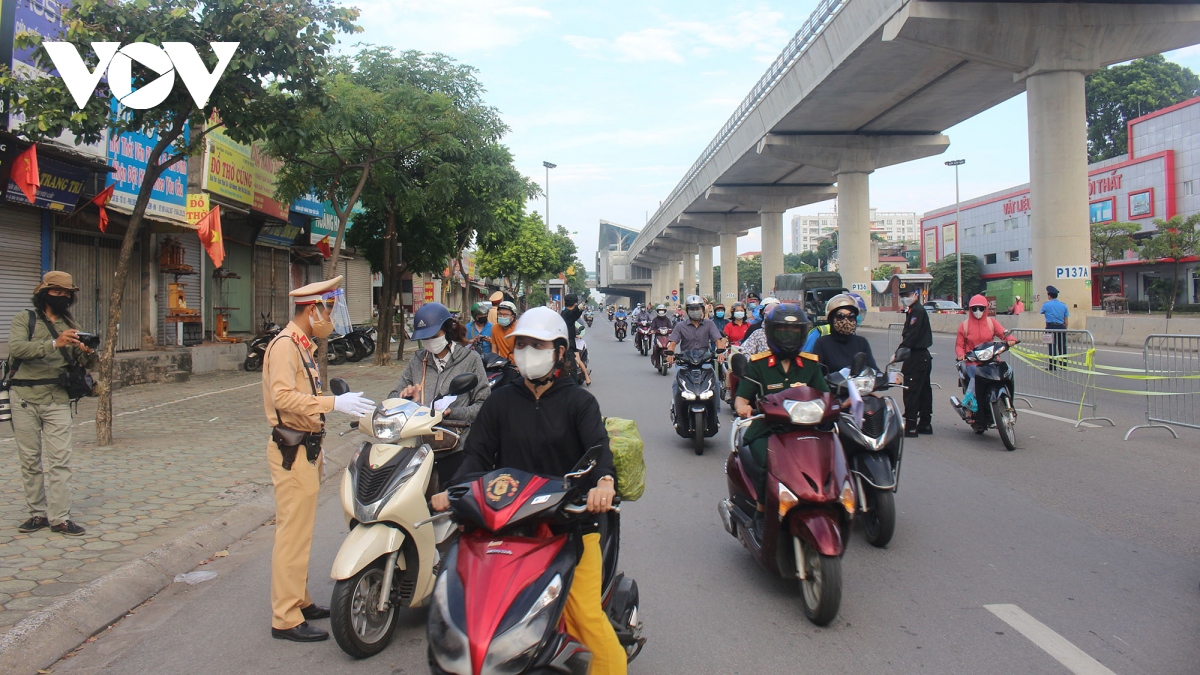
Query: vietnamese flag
{"points": [[209, 231], [25, 173], [101, 200], [323, 247]]}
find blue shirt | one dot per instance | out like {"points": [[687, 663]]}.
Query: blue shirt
{"points": [[474, 331], [1055, 311]]}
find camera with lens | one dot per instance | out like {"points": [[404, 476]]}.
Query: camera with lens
{"points": [[89, 340]]}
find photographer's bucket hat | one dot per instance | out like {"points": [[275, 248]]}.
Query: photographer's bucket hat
{"points": [[56, 279]]}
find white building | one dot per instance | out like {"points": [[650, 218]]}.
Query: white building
{"points": [[808, 231]]}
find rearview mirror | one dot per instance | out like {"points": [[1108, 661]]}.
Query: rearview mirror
{"points": [[738, 365], [859, 363], [461, 384], [338, 386], [902, 354]]}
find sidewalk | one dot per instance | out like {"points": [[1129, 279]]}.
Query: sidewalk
{"points": [[183, 455]]}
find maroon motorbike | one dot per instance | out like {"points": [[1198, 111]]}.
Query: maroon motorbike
{"points": [[810, 498], [658, 353]]}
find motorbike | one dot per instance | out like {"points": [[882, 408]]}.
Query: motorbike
{"points": [[588, 318], [338, 349], [362, 342], [581, 347], [621, 328], [994, 390], [643, 336], [697, 397], [874, 446], [610, 316], [731, 390], [658, 353], [500, 370], [807, 522], [389, 560], [257, 347], [498, 605]]}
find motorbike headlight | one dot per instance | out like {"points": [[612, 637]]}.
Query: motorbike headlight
{"points": [[387, 427], [706, 394], [805, 412], [687, 395], [864, 383], [847, 498], [787, 499], [985, 354], [447, 641], [511, 652]]}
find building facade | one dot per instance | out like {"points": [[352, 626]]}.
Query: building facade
{"points": [[808, 231], [1158, 178]]}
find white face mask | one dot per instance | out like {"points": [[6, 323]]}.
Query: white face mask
{"points": [[436, 344], [908, 300], [978, 313], [534, 363]]}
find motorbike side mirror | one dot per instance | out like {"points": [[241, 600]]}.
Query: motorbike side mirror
{"points": [[395, 393], [859, 363], [738, 365], [902, 354], [462, 384], [584, 466], [338, 386]]}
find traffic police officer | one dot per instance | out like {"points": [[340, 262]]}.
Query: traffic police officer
{"points": [[918, 337], [295, 406]]}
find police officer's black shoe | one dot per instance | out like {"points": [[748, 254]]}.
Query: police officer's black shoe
{"points": [[925, 429], [314, 612], [301, 633], [910, 431]]}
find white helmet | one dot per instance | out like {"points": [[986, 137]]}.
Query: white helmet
{"points": [[768, 301], [510, 306], [541, 323]]}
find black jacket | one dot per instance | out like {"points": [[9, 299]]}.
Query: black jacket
{"points": [[546, 436], [571, 316], [837, 351], [917, 335]]}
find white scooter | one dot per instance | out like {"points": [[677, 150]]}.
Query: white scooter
{"points": [[394, 550]]}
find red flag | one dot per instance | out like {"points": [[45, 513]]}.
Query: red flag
{"points": [[209, 231], [101, 200], [323, 247], [25, 173]]}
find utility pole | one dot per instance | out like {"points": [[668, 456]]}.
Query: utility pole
{"points": [[957, 227], [548, 166]]}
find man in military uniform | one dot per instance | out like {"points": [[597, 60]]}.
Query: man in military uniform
{"points": [[786, 326], [295, 406], [918, 337]]}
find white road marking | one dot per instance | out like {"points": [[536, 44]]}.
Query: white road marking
{"points": [[1075, 659], [1060, 419]]}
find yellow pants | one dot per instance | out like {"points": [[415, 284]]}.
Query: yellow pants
{"points": [[585, 615], [295, 515]]}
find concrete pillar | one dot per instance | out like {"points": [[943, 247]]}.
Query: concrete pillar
{"points": [[706, 272], [689, 273], [730, 292], [772, 249], [672, 275], [854, 230], [1058, 186]]}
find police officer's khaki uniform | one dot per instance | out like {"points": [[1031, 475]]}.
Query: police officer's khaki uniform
{"points": [[287, 367]]}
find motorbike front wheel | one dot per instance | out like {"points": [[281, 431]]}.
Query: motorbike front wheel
{"points": [[879, 524], [252, 363], [822, 589], [1006, 421], [360, 629], [337, 353], [698, 432]]}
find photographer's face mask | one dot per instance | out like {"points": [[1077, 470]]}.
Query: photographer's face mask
{"points": [[59, 303]]}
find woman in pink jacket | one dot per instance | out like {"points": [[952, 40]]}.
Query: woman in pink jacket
{"points": [[976, 330]]}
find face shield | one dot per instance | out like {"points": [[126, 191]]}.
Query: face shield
{"points": [[339, 312]]}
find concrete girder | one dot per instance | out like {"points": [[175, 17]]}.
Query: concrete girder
{"points": [[842, 153], [770, 198], [1031, 38], [721, 223], [691, 235]]}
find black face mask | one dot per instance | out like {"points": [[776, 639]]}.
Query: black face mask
{"points": [[59, 303]]}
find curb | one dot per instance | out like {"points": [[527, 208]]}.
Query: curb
{"points": [[41, 639]]}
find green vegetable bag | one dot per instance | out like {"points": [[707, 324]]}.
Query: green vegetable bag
{"points": [[627, 446]]}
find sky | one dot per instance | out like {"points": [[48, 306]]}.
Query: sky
{"points": [[623, 97]]}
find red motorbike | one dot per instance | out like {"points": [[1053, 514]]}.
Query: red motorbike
{"points": [[497, 606], [658, 353], [643, 336], [810, 497]]}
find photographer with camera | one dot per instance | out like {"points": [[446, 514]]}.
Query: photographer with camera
{"points": [[44, 344]]}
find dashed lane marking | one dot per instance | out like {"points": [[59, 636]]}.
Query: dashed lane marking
{"points": [[1075, 659]]}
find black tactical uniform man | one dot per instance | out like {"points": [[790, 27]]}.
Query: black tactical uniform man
{"points": [[918, 337]]}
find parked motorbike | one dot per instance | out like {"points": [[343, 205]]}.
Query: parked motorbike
{"points": [[994, 391], [500, 370], [875, 446], [643, 336], [809, 499], [338, 349], [362, 342], [658, 354], [257, 347], [621, 328], [498, 606], [388, 560], [697, 397]]}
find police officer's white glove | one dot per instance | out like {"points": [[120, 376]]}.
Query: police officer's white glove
{"points": [[352, 403]]}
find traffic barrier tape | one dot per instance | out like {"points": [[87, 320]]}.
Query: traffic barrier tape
{"points": [[1031, 357]]}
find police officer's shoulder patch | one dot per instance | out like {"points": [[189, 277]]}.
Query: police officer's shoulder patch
{"points": [[301, 339], [761, 355]]}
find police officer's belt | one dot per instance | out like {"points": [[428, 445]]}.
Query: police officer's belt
{"points": [[288, 439]]}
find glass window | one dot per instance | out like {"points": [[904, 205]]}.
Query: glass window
{"points": [[989, 258], [989, 228], [1013, 256], [969, 232], [1010, 223]]}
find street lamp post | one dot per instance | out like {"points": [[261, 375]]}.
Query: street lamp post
{"points": [[548, 166], [957, 228]]}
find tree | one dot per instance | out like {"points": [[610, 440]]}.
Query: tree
{"points": [[577, 279], [811, 259], [793, 263], [1118, 94], [827, 251], [1110, 241], [945, 277], [884, 272], [282, 53], [530, 256], [1174, 240], [749, 275], [716, 282]]}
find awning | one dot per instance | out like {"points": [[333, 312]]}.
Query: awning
{"points": [[881, 286]]}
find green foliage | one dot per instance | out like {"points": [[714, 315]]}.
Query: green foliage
{"points": [[1121, 93], [536, 297], [716, 281], [1174, 240], [530, 255], [749, 275], [827, 251], [577, 282], [811, 259], [884, 272], [794, 263], [1110, 241], [945, 277]]}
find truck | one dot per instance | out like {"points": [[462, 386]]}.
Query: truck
{"points": [[810, 289]]}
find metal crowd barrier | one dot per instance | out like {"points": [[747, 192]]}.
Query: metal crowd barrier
{"points": [[1171, 398], [894, 331], [1059, 368]]}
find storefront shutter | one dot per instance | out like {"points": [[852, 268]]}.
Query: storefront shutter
{"points": [[191, 256], [92, 262], [358, 290], [272, 282], [21, 270]]}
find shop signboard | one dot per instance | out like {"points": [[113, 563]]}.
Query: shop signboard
{"points": [[128, 155], [266, 168], [60, 189], [197, 207], [309, 205], [327, 224], [930, 246], [230, 169], [949, 241], [280, 235], [428, 291]]}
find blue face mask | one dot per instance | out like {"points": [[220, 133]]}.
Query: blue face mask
{"points": [[754, 305], [720, 315]]}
